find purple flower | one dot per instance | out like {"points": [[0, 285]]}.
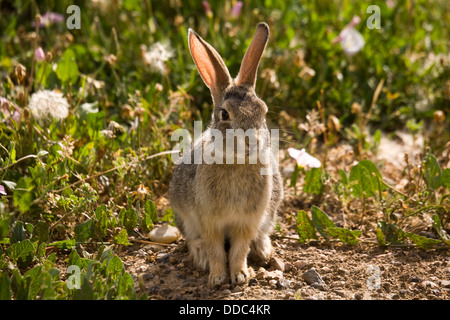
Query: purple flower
{"points": [[39, 55], [236, 10], [2, 191], [49, 18]]}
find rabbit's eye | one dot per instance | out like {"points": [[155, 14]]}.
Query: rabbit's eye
{"points": [[224, 114]]}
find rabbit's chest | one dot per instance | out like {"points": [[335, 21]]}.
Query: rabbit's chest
{"points": [[235, 191]]}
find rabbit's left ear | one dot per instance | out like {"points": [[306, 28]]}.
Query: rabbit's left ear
{"points": [[252, 57]]}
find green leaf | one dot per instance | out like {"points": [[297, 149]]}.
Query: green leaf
{"points": [[305, 227], [5, 283], [67, 69], [122, 238], [440, 230], [168, 216], [35, 276], [422, 242], [364, 180], [321, 222], [101, 225], [75, 259], [294, 177], [130, 219], [345, 235], [313, 181], [392, 233], [343, 175], [114, 267], [432, 171], [380, 237], [23, 196], [150, 209], [126, 287], [84, 231], [21, 252], [445, 178], [4, 226], [150, 215], [63, 244], [18, 233], [40, 232]]}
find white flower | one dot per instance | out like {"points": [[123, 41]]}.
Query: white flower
{"points": [[303, 158], [46, 105], [350, 39], [157, 56]]}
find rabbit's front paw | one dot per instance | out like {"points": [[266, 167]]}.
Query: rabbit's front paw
{"points": [[262, 248], [242, 275], [217, 279], [198, 254]]}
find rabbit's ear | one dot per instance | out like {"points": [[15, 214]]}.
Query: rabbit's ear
{"points": [[249, 66], [210, 65]]}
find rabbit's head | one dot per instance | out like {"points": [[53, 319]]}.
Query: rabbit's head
{"points": [[236, 105]]}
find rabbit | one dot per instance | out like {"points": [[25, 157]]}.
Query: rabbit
{"points": [[231, 203]]}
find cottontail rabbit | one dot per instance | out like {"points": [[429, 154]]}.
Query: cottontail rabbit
{"points": [[215, 203]]}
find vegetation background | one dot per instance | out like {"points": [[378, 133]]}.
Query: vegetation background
{"points": [[84, 170]]}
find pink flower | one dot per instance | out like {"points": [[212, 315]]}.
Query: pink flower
{"points": [[236, 10], [303, 158], [10, 111], [39, 55], [2, 191], [49, 18], [350, 39], [207, 7]]}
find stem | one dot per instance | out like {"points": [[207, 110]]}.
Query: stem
{"points": [[42, 75]]}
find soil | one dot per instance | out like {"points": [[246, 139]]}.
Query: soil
{"points": [[314, 271], [347, 273]]}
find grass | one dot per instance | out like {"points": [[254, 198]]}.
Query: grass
{"points": [[95, 178]]}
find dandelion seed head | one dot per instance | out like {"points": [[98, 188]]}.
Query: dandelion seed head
{"points": [[157, 56], [46, 105]]}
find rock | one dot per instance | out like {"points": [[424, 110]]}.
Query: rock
{"points": [[311, 276], [277, 264], [320, 286], [273, 282], [300, 264], [237, 289], [340, 293], [288, 266], [429, 284], [165, 234], [226, 292], [359, 296], [261, 274], [252, 282], [276, 275], [445, 283], [283, 284]]}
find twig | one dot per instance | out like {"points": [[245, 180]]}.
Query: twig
{"points": [[149, 242]]}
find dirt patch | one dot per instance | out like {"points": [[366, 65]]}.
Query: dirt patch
{"points": [[361, 272]]}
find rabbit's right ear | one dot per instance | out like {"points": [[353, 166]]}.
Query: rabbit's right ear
{"points": [[210, 65]]}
